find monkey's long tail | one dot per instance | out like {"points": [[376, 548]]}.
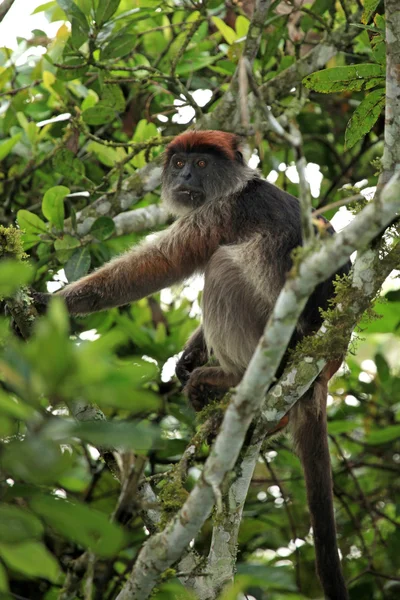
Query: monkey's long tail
{"points": [[309, 429]]}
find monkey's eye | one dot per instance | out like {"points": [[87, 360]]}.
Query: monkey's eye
{"points": [[201, 163], [179, 163]]}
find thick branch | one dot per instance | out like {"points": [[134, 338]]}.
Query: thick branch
{"points": [[23, 312], [133, 189], [391, 154], [140, 219]]}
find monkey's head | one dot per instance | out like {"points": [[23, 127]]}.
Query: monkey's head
{"points": [[202, 166]]}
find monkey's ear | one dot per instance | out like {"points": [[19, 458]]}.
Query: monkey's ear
{"points": [[239, 156]]}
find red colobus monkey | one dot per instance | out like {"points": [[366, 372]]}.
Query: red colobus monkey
{"points": [[239, 230]]}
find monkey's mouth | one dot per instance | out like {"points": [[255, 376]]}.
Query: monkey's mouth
{"points": [[188, 196]]}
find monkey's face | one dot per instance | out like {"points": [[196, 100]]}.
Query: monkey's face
{"points": [[192, 178], [187, 174]]}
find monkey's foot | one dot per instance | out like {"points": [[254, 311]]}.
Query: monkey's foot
{"points": [[207, 384], [191, 359], [185, 366]]}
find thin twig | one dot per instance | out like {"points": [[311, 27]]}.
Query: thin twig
{"points": [[253, 37], [5, 7], [295, 140], [337, 204]]}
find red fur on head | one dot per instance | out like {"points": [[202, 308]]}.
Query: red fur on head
{"points": [[199, 141]]}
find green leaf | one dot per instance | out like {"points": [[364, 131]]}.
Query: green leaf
{"points": [[350, 78], [53, 205], [79, 30], [276, 37], [319, 7], [392, 296], [340, 426], [35, 460], [78, 265], [6, 74], [30, 558], [3, 580], [379, 52], [225, 67], [268, 576], [189, 65], [17, 524], [242, 26], [105, 10], [389, 434], [140, 437], [65, 247], [99, 114], [102, 228], [382, 367], [227, 32], [30, 222], [112, 96], [106, 154], [370, 7], [66, 163], [81, 524], [364, 117], [13, 275], [13, 407], [389, 321], [119, 46], [79, 23], [7, 145]]}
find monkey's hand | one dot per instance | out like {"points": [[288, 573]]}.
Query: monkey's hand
{"points": [[191, 359], [199, 392], [40, 300]]}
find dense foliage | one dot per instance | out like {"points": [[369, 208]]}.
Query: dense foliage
{"points": [[81, 115]]}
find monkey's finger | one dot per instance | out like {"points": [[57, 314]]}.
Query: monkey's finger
{"points": [[182, 373], [40, 300]]}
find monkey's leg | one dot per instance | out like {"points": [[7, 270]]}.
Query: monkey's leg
{"points": [[194, 355], [309, 429], [208, 383]]}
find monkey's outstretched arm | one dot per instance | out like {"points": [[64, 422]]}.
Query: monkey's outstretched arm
{"points": [[176, 254]]}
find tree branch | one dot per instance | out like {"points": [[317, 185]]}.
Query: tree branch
{"points": [[133, 189], [257, 25], [294, 139], [5, 7], [315, 59], [140, 219], [391, 153]]}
